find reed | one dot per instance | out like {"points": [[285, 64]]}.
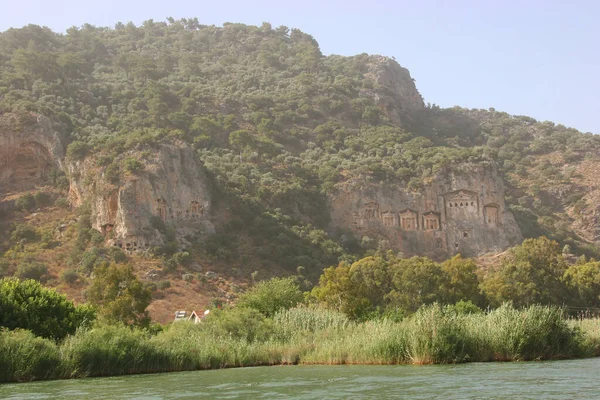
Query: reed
{"points": [[433, 335], [26, 357]]}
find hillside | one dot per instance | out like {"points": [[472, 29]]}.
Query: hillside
{"points": [[209, 157]]}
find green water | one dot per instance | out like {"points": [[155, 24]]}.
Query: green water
{"points": [[578, 379]]}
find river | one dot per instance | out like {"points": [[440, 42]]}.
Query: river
{"points": [[573, 379]]}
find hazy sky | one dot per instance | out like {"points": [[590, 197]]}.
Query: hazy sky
{"points": [[528, 57]]}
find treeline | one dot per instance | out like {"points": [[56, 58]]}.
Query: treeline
{"points": [[535, 272], [381, 309]]}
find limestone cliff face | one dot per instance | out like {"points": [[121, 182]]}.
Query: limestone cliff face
{"points": [[461, 210], [395, 90], [29, 148], [172, 189]]}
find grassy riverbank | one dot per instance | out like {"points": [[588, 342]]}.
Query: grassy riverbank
{"points": [[433, 335]]}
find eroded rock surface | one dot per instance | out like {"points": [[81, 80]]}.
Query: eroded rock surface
{"points": [[172, 190], [29, 149], [395, 90], [461, 210]]}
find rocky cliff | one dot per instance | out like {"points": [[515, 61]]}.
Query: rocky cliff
{"points": [[29, 148], [171, 190], [461, 210], [395, 90]]}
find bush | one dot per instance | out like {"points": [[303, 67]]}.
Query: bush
{"points": [[117, 255], [182, 258], [133, 165], [273, 295], [45, 312], [112, 173], [25, 202], [69, 276], [164, 284], [42, 199], [24, 232], [77, 150], [4, 267], [239, 323], [31, 270]]}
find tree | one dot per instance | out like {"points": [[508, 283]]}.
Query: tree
{"points": [[371, 279], [417, 281], [463, 282], [45, 312], [119, 295], [584, 282], [77, 150], [532, 273], [273, 295], [339, 291]]}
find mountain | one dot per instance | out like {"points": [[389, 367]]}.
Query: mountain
{"points": [[208, 155]]}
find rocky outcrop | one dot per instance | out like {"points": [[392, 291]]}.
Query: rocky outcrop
{"points": [[172, 191], [395, 91], [29, 148], [461, 210]]}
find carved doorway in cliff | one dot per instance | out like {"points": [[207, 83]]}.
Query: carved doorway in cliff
{"points": [[388, 219], [431, 221], [408, 220], [491, 214], [369, 210]]}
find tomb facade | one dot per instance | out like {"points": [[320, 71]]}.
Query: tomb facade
{"points": [[431, 221], [408, 220]]}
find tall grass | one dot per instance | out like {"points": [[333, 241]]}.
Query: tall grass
{"points": [[25, 357], [435, 334]]}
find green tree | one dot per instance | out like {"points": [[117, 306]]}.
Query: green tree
{"points": [[418, 281], [45, 312], [584, 282], [273, 295], [532, 273], [339, 291], [463, 283], [119, 295]]}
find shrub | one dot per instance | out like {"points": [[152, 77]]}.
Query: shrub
{"points": [[25, 202], [23, 231], [42, 199], [112, 173], [273, 295], [133, 165], [45, 312], [69, 276], [117, 255], [239, 323], [164, 284], [77, 150], [31, 270], [4, 267], [182, 258]]}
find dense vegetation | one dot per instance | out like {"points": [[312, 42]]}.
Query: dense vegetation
{"points": [[381, 310], [435, 334], [277, 124]]}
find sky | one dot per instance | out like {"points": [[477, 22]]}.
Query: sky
{"points": [[528, 57]]}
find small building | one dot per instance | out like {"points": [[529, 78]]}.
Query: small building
{"points": [[180, 315], [196, 318]]}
